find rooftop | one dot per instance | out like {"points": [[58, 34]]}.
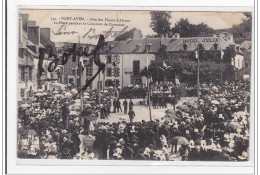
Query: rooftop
{"points": [[173, 44]]}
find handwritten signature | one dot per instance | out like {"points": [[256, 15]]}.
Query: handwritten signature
{"points": [[62, 31], [91, 33]]}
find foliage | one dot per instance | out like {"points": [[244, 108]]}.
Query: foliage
{"points": [[186, 29], [186, 68], [160, 22], [243, 30]]}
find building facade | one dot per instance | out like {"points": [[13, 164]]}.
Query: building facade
{"points": [[70, 73], [31, 38], [125, 59]]}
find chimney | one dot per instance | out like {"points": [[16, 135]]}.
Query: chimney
{"points": [[31, 23], [24, 18], [34, 34], [46, 32]]}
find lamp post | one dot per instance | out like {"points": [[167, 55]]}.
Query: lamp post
{"points": [[148, 86], [116, 57]]}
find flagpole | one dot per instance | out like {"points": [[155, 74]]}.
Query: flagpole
{"points": [[99, 89], [80, 72], [148, 85], [198, 78], [221, 76]]}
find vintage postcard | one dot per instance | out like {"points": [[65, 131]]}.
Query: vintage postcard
{"points": [[134, 85]]}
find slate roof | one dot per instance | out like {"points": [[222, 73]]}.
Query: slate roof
{"points": [[192, 43], [129, 46], [173, 45], [47, 42]]}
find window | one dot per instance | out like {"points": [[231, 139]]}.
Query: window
{"points": [[77, 71], [109, 72], [136, 66], [30, 73], [109, 59], [22, 92], [112, 83], [152, 61], [78, 82], [215, 46], [66, 80], [148, 47], [22, 73], [71, 81], [88, 71], [116, 59], [21, 53], [109, 83], [185, 46], [138, 47], [116, 72]]}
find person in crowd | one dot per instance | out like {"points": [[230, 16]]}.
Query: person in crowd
{"points": [[65, 112], [114, 104], [218, 131], [118, 105], [125, 103], [131, 104], [67, 148], [86, 114], [131, 114], [184, 152]]}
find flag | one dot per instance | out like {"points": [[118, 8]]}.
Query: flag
{"points": [[222, 54], [196, 54], [165, 65], [81, 63]]}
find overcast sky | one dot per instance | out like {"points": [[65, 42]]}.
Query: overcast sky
{"points": [[138, 19]]}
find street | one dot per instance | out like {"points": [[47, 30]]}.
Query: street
{"points": [[141, 113]]}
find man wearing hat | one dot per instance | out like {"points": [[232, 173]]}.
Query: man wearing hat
{"points": [[125, 106], [65, 113], [118, 105], [114, 105], [86, 113], [131, 104], [131, 114]]}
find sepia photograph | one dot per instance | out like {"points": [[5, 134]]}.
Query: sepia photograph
{"points": [[133, 85]]}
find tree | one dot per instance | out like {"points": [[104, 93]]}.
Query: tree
{"points": [[186, 68], [160, 22], [183, 27], [186, 29], [243, 30], [202, 29]]}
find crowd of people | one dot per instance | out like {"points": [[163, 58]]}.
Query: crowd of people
{"points": [[51, 126]]}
